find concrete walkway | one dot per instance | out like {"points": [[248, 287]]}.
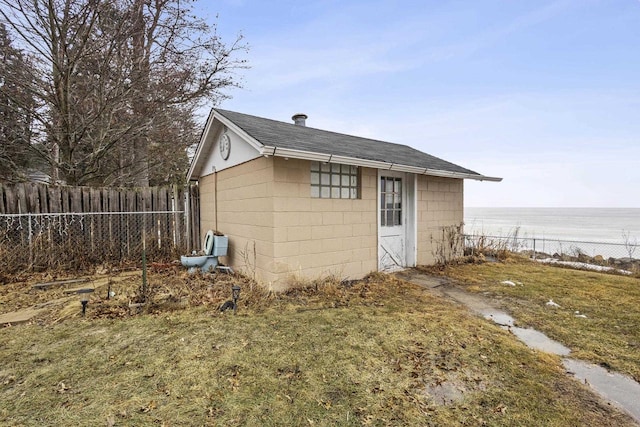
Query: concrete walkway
{"points": [[622, 391]]}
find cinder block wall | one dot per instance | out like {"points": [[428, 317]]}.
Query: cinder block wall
{"points": [[280, 234], [313, 237], [245, 214], [440, 205]]}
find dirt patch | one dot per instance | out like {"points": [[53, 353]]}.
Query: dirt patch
{"points": [[453, 387]]}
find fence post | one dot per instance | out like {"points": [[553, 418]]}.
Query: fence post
{"points": [[30, 242], [534, 249]]}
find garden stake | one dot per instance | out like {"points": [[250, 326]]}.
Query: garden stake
{"points": [[144, 275]]}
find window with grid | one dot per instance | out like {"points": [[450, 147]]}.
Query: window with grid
{"points": [[390, 201], [334, 181]]}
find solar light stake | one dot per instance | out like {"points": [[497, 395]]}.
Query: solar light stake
{"points": [[84, 298], [235, 294]]}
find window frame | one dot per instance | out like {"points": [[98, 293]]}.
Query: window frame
{"points": [[334, 181], [391, 203]]}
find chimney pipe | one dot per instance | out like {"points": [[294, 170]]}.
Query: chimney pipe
{"points": [[299, 119]]}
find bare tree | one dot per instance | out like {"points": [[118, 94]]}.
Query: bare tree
{"points": [[115, 80]]}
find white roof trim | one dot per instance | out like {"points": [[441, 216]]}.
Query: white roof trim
{"points": [[330, 158], [204, 146], [248, 138], [200, 147]]}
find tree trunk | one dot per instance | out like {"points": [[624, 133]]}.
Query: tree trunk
{"points": [[140, 86]]}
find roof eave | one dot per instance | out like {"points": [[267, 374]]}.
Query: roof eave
{"points": [[199, 149], [330, 158], [203, 146]]}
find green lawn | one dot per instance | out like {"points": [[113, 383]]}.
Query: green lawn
{"points": [[380, 352]]}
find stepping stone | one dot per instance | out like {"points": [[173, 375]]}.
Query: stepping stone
{"points": [[21, 316]]}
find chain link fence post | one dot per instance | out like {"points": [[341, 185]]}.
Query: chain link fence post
{"points": [[30, 239]]}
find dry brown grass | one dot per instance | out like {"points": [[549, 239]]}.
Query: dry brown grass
{"points": [[376, 352], [610, 333]]}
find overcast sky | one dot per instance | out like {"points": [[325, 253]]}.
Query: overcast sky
{"points": [[545, 94]]}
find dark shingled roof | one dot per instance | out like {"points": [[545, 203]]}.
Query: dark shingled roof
{"points": [[288, 135]]}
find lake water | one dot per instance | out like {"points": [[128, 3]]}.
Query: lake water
{"points": [[587, 224], [605, 225]]}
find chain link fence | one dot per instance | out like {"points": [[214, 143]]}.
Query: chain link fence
{"points": [[75, 241], [600, 253]]}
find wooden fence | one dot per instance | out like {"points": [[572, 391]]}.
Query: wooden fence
{"points": [[38, 198], [44, 226]]}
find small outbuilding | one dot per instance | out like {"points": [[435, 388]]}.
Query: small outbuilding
{"points": [[303, 203]]}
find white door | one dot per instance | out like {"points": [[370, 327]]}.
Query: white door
{"points": [[392, 218]]}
